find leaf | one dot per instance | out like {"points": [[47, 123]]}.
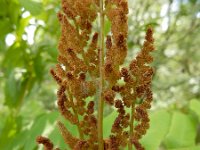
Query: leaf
{"points": [[23, 23], [51, 50], [5, 27], [39, 67], [18, 141], [107, 27], [3, 8], [10, 130], [57, 139], [2, 46], [107, 123], [188, 148], [35, 8], [36, 129], [159, 126], [194, 105], [182, 132], [42, 123], [16, 54], [47, 48], [15, 90], [11, 90], [14, 11]]}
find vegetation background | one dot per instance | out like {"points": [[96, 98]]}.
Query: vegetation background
{"points": [[29, 32]]}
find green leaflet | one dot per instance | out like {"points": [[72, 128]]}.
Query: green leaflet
{"points": [[108, 122], [159, 126], [182, 132], [195, 107], [188, 148], [33, 7]]}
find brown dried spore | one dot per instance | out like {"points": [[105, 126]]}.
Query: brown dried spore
{"points": [[48, 145]]}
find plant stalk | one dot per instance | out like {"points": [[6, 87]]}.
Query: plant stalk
{"points": [[101, 80], [131, 125]]}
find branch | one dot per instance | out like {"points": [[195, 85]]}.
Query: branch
{"points": [[101, 80]]}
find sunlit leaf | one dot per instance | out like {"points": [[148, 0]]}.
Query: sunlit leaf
{"points": [[3, 9], [182, 132], [10, 130], [39, 67], [107, 27], [57, 139], [36, 129], [5, 27], [159, 126], [188, 148], [108, 122], [33, 7], [195, 106], [14, 11], [14, 57], [15, 89]]}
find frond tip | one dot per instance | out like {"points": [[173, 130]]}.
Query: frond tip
{"points": [[67, 136], [48, 145]]}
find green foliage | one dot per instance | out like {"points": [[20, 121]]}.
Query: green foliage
{"points": [[195, 107], [159, 120], [33, 7], [10, 129], [15, 89], [182, 132], [107, 124]]}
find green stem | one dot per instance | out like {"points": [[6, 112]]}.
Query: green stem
{"points": [[131, 125], [101, 80]]}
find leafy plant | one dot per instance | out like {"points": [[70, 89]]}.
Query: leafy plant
{"points": [[27, 93], [89, 73]]}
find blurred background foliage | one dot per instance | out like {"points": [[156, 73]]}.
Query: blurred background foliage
{"points": [[29, 32]]}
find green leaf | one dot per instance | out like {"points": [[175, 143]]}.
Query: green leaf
{"points": [[35, 8], [36, 130], [107, 27], [5, 27], [39, 67], [23, 23], [47, 48], [52, 116], [57, 139], [159, 126], [107, 123], [14, 57], [195, 106], [41, 124], [2, 47], [14, 11], [182, 132], [18, 141], [10, 130], [15, 89], [188, 148], [52, 51], [3, 7]]}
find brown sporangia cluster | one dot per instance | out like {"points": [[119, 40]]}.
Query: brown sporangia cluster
{"points": [[48, 145], [78, 73]]}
